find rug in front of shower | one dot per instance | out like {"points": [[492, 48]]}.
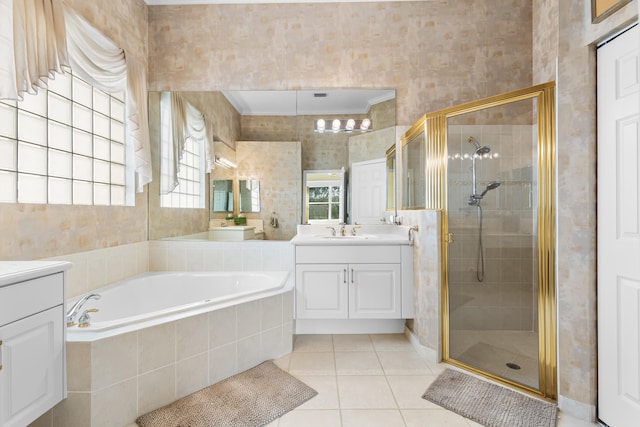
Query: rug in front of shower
{"points": [[251, 398], [489, 404]]}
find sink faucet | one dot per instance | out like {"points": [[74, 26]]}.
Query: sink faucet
{"points": [[343, 232], [333, 230], [73, 311]]}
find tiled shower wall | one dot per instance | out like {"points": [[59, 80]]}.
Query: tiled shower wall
{"points": [[507, 298]]}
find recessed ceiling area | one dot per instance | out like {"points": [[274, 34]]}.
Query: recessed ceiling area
{"points": [[306, 102]]}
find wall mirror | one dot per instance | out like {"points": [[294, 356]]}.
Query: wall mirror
{"points": [[273, 116], [222, 195], [324, 196], [249, 195]]}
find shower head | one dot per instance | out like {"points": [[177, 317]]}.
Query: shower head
{"points": [[480, 150], [492, 186]]}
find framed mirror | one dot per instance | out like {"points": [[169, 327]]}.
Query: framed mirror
{"points": [[324, 196], [222, 191], [249, 195]]}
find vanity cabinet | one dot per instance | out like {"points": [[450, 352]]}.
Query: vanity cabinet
{"points": [[32, 340], [352, 282], [348, 291]]}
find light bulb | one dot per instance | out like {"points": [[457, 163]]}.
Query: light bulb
{"points": [[335, 125], [365, 124], [350, 124], [320, 124]]}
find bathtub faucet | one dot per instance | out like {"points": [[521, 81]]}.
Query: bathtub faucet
{"points": [[73, 311]]}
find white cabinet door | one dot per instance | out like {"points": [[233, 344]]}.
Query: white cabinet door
{"points": [[321, 291], [619, 230], [375, 291], [32, 359]]}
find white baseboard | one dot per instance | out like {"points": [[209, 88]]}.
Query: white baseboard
{"points": [[349, 326]]}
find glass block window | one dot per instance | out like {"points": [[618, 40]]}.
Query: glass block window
{"points": [[64, 145], [190, 192]]}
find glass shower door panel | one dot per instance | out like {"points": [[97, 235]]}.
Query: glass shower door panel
{"points": [[492, 211]]}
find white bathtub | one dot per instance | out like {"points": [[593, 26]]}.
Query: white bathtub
{"points": [[161, 336], [154, 298]]}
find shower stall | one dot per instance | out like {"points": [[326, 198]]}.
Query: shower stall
{"points": [[490, 170]]}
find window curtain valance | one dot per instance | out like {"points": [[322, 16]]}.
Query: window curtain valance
{"points": [[180, 121], [39, 38]]}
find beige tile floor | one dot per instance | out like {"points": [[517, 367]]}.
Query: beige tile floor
{"points": [[368, 381]]}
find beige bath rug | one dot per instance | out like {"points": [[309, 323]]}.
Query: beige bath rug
{"points": [[489, 404], [252, 398]]}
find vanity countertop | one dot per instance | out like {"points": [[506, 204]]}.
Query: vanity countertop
{"points": [[314, 234], [26, 270]]}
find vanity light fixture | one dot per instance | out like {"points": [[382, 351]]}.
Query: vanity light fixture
{"points": [[346, 125], [225, 163]]}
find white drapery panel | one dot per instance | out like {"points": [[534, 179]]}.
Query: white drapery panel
{"points": [[39, 38], [100, 62], [180, 121], [33, 44]]}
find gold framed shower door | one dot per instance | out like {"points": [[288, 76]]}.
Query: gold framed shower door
{"points": [[434, 127]]}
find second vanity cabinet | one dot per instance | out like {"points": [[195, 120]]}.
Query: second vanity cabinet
{"points": [[32, 340], [352, 282]]}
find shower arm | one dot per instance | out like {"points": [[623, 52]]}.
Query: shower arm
{"points": [[473, 173]]}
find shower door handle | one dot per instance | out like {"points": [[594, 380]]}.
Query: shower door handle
{"points": [[448, 238]]}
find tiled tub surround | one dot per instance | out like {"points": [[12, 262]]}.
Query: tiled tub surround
{"points": [[139, 371]]}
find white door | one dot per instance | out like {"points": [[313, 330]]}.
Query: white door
{"points": [[374, 291], [368, 191], [321, 291], [619, 231]]}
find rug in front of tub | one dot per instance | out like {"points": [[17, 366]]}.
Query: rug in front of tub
{"points": [[489, 404], [251, 398]]}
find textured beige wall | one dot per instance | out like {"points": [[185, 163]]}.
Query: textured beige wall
{"points": [[545, 40], [371, 146], [434, 53], [36, 231], [278, 167], [576, 215]]}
